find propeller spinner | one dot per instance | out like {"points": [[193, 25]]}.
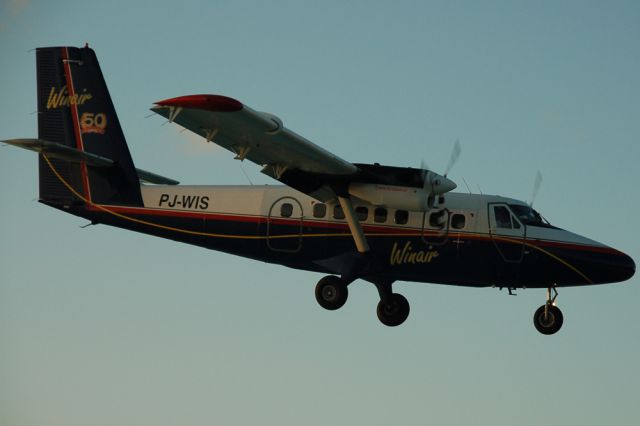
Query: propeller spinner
{"points": [[435, 184]]}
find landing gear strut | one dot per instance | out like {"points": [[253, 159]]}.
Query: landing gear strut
{"points": [[548, 318], [332, 293]]}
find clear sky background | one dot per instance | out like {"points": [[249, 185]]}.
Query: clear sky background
{"points": [[103, 327]]}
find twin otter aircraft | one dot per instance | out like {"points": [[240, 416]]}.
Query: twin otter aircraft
{"points": [[352, 221]]}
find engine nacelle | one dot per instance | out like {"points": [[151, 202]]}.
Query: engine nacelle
{"points": [[274, 121], [396, 197]]}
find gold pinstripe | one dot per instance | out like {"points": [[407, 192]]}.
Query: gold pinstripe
{"points": [[551, 255], [265, 237]]}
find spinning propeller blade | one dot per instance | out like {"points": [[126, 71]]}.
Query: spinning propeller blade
{"points": [[435, 184], [536, 187], [455, 154]]}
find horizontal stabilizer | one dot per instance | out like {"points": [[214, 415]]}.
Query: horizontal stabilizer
{"points": [[62, 152], [66, 153], [149, 177]]}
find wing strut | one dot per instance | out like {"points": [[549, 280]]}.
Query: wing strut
{"points": [[354, 224]]}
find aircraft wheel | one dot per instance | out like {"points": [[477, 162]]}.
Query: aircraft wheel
{"points": [[394, 311], [549, 323], [331, 292]]}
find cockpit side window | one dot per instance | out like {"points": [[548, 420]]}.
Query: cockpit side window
{"points": [[503, 217], [529, 216]]}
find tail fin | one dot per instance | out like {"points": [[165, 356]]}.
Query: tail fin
{"points": [[75, 110]]}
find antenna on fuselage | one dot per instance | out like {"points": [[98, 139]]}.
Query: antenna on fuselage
{"points": [[245, 173], [467, 185]]}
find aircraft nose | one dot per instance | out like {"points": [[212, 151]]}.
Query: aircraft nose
{"points": [[619, 268], [628, 267]]}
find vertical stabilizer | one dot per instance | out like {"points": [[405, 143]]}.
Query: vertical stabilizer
{"points": [[75, 109]]}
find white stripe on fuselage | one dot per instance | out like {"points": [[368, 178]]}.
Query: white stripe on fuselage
{"points": [[258, 200]]}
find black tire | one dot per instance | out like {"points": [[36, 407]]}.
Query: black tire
{"points": [[331, 292], [553, 321], [394, 311]]}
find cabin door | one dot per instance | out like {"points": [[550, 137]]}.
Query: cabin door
{"points": [[284, 225], [507, 232]]}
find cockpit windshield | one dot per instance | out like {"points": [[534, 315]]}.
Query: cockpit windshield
{"points": [[529, 216]]}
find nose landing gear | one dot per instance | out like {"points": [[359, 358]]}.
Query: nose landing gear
{"points": [[548, 318]]}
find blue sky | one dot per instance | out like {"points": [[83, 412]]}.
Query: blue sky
{"points": [[100, 326]]}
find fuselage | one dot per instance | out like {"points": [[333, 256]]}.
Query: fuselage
{"points": [[378, 223], [467, 239]]}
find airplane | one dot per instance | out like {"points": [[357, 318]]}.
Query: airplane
{"points": [[350, 221]]}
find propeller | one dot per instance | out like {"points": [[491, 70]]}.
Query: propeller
{"points": [[536, 187], [426, 181], [455, 154], [435, 184]]}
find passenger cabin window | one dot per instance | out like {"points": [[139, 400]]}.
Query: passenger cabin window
{"points": [[337, 212], [458, 221], [380, 215], [362, 213], [436, 220], [319, 210], [286, 210], [401, 217]]}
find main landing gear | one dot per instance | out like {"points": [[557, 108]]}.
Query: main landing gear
{"points": [[392, 310], [332, 293], [548, 318]]}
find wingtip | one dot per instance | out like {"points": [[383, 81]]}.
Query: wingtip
{"points": [[215, 103]]}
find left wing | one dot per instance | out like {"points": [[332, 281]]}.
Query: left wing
{"points": [[259, 137]]}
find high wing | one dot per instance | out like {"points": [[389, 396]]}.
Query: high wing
{"points": [[295, 161], [261, 138]]}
